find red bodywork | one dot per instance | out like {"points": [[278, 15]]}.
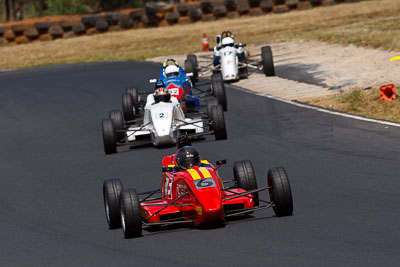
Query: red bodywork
{"points": [[177, 91], [195, 196]]}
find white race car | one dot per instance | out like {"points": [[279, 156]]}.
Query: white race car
{"points": [[231, 61], [163, 121]]}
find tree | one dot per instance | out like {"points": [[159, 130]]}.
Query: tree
{"points": [[7, 3]]}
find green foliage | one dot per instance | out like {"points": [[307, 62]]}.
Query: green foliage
{"points": [[65, 7], [117, 4], [353, 100]]}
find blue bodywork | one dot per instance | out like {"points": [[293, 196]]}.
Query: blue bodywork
{"points": [[180, 81]]}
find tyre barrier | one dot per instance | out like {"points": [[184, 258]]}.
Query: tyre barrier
{"points": [[152, 15]]}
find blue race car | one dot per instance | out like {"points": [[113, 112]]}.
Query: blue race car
{"points": [[178, 83]]}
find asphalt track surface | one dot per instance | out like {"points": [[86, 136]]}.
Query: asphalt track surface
{"points": [[344, 175]]}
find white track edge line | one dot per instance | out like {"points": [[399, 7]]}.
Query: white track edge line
{"points": [[346, 115]]}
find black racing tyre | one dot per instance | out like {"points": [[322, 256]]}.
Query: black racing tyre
{"points": [[118, 122], [280, 192], [267, 61], [210, 103], [218, 89], [44, 25], [111, 191], [135, 94], [190, 67], [219, 11], [195, 14], [102, 25], [218, 122], [109, 138], [230, 5], [79, 29], [130, 214], [194, 58], [128, 107], [243, 8], [125, 23], [56, 31], [245, 178], [172, 17], [183, 9], [206, 7]]}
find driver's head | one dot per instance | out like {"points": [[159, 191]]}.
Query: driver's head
{"points": [[187, 157], [228, 41], [172, 71], [161, 93]]}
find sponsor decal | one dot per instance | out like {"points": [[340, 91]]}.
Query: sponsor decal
{"points": [[205, 183], [199, 210]]}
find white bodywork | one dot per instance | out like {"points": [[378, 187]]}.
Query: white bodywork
{"points": [[162, 122], [229, 62]]}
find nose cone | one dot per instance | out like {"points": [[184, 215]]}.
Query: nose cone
{"points": [[211, 205]]}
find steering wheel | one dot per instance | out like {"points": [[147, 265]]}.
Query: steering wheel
{"points": [[170, 60], [226, 34]]}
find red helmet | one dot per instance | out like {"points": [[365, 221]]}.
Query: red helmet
{"points": [[162, 94], [161, 91]]}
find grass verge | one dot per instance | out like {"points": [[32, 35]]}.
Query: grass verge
{"points": [[368, 23], [360, 102]]}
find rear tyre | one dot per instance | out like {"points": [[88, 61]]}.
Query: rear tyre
{"points": [[245, 178], [109, 138], [267, 61], [128, 107], [218, 89], [280, 192], [194, 58], [218, 122], [130, 214], [118, 122], [111, 191]]}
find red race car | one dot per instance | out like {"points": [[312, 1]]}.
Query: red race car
{"points": [[193, 193]]}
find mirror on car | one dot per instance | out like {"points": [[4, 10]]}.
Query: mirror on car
{"points": [[167, 169], [152, 80], [221, 162]]}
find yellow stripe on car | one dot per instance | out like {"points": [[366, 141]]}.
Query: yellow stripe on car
{"points": [[205, 172], [195, 175]]}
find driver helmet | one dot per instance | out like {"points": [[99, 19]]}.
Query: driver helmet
{"points": [[171, 71], [187, 157], [228, 41], [161, 93]]}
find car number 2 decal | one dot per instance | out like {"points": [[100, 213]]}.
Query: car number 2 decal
{"points": [[162, 115], [204, 183]]}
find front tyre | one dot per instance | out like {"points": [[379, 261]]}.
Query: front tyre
{"points": [[245, 178], [130, 214], [111, 192], [218, 122], [109, 138], [218, 89], [267, 61], [280, 192]]}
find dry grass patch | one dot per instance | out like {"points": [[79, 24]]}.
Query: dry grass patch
{"points": [[360, 102], [368, 23]]}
